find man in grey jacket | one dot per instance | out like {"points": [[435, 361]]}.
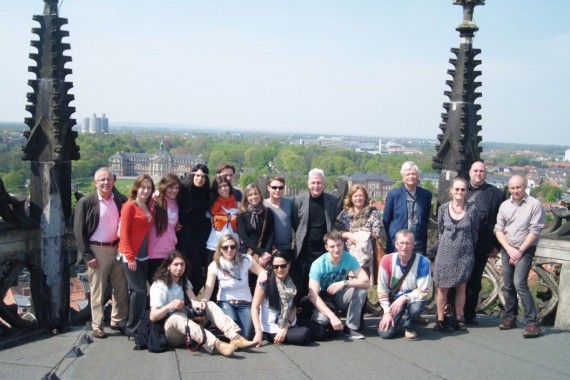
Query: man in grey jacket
{"points": [[316, 215]]}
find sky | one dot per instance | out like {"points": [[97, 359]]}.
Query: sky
{"points": [[335, 67]]}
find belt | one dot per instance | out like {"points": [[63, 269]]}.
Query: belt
{"points": [[110, 244], [239, 302]]}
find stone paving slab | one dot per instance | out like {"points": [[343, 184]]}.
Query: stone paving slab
{"points": [[483, 352]]}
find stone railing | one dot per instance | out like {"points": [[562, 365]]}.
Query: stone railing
{"points": [[558, 251]]}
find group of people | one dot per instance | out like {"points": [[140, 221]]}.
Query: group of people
{"points": [[282, 269]]}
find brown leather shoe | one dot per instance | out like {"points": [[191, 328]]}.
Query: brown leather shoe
{"points": [[224, 348], [532, 330], [99, 333], [240, 342], [508, 324]]}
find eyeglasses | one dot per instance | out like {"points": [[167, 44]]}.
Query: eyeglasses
{"points": [[277, 187], [280, 266], [462, 189], [228, 247], [105, 180]]}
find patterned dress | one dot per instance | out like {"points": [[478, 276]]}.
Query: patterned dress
{"points": [[456, 251]]}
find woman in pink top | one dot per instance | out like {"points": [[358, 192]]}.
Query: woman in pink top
{"points": [[162, 235], [136, 220]]}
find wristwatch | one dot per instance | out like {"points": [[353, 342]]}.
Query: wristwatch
{"points": [[346, 283]]}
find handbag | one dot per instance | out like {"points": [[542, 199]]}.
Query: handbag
{"points": [[250, 251], [150, 335], [362, 250]]}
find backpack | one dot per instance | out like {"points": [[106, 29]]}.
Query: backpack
{"points": [[150, 335]]}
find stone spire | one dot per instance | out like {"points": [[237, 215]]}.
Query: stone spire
{"points": [[458, 144], [50, 147]]}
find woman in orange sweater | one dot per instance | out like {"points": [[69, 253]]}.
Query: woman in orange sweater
{"points": [[136, 220]]}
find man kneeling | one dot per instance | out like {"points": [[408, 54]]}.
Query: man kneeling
{"points": [[328, 280], [403, 284], [167, 301]]}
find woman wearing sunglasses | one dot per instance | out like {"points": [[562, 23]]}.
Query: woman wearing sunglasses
{"points": [[231, 269], [274, 311], [458, 224]]}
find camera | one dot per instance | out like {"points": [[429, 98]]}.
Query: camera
{"points": [[194, 312]]}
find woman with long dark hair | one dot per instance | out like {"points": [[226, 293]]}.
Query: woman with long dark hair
{"points": [[162, 235], [274, 310], [194, 202], [136, 220], [167, 301]]}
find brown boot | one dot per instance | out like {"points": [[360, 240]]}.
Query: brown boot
{"points": [[224, 348], [240, 342]]}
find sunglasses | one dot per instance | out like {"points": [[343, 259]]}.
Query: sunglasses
{"points": [[460, 189], [280, 266], [228, 247], [277, 187]]}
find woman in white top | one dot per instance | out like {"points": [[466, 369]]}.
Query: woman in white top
{"points": [[231, 268]]}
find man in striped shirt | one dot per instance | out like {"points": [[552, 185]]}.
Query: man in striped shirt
{"points": [[402, 300]]}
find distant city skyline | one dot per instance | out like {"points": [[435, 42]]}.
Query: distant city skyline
{"points": [[370, 68]]}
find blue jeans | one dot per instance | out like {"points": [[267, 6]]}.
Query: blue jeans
{"points": [[240, 314], [405, 318], [515, 280]]}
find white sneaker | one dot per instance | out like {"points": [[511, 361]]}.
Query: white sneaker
{"points": [[353, 334], [410, 335]]}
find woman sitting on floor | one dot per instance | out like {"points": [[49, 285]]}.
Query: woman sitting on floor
{"points": [[167, 301], [274, 311], [231, 269]]}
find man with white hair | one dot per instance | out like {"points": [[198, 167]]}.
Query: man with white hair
{"points": [[316, 212], [408, 207]]}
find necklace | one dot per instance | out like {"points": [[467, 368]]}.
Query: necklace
{"points": [[461, 208]]}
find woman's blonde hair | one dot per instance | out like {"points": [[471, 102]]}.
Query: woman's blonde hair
{"points": [[238, 258]]}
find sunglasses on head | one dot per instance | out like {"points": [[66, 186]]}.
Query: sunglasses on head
{"points": [[277, 187], [228, 247], [280, 266]]}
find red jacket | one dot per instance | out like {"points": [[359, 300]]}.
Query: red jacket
{"points": [[133, 229]]}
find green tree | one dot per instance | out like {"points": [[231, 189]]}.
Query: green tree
{"points": [[15, 180]]}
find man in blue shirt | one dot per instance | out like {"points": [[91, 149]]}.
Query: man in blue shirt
{"points": [[329, 281]]}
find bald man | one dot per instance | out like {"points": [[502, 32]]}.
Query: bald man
{"points": [[519, 223]]}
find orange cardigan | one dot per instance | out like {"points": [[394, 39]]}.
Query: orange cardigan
{"points": [[134, 228]]}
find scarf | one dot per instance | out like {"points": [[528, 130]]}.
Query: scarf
{"points": [[231, 268], [254, 212], [360, 218], [220, 216], [287, 292]]}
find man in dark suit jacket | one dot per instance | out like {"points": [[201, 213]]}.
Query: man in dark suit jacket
{"points": [[408, 207], [316, 215]]}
